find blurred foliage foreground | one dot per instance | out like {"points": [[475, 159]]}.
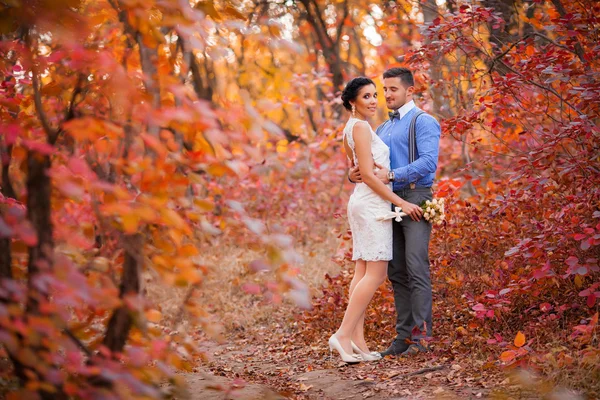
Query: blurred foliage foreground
{"points": [[136, 135]]}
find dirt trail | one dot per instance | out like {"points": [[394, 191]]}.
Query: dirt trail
{"points": [[258, 369]]}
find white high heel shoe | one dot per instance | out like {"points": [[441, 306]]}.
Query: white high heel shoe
{"points": [[334, 344], [372, 356]]}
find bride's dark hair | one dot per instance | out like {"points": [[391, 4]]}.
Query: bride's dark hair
{"points": [[352, 88]]}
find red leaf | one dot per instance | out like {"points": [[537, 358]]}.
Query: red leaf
{"points": [[26, 233], [11, 132], [571, 261], [80, 167], [591, 301], [39, 147], [71, 189]]}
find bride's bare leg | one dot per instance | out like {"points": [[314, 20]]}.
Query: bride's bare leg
{"points": [[362, 294], [358, 336]]}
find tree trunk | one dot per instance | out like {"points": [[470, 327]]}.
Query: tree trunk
{"points": [[38, 213], [329, 46], [41, 254], [430, 12], [7, 191], [500, 36], [121, 321]]}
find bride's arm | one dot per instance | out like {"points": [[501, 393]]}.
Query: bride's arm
{"points": [[362, 146]]}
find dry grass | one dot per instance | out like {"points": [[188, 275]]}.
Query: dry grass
{"points": [[228, 308]]}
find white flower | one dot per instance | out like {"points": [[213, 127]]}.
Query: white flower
{"points": [[426, 215], [427, 202], [432, 212], [439, 222], [434, 201]]}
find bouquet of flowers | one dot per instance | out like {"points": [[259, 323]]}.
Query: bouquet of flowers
{"points": [[433, 211]]}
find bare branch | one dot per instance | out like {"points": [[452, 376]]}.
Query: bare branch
{"points": [[341, 24], [578, 49], [37, 98]]}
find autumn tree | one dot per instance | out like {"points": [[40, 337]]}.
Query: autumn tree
{"points": [[137, 134]]}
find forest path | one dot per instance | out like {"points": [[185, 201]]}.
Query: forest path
{"points": [[267, 365]]}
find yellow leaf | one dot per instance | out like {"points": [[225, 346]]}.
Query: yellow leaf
{"points": [[130, 222], [204, 205], [232, 12], [171, 217], [520, 339], [208, 8], [218, 169], [146, 213]]}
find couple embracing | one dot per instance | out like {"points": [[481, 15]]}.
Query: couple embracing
{"points": [[393, 166]]}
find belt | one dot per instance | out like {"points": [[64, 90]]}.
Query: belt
{"points": [[413, 188]]}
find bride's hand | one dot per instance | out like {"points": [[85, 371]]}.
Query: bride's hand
{"points": [[414, 211]]}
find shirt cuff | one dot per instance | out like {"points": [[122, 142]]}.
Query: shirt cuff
{"points": [[401, 175]]}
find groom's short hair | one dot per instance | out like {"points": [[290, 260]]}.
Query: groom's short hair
{"points": [[405, 75]]}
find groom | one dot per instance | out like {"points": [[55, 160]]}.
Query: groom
{"points": [[409, 269]]}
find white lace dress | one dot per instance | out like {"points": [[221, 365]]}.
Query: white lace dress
{"points": [[372, 239]]}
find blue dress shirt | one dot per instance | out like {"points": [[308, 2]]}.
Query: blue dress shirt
{"points": [[394, 134]]}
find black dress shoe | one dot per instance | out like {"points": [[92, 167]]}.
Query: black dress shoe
{"points": [[398, 346], [415, 348]]}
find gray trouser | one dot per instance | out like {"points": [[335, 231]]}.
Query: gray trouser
{"points": [[409, 270]]}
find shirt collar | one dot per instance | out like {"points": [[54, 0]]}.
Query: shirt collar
{"points": [[406, 108]]}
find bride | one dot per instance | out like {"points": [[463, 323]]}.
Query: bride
{"points": [[372, 238]]}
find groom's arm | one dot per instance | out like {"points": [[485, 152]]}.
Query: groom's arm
{"points": [[381, 171], [428, 132]]}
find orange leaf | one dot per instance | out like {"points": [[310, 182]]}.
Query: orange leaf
{"points": [[153, 316], [507, 356], [188, 250], [520, 339], [188, 276]]}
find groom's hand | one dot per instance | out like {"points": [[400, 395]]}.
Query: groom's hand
{"points": [[382, 173], [354, 175]]}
